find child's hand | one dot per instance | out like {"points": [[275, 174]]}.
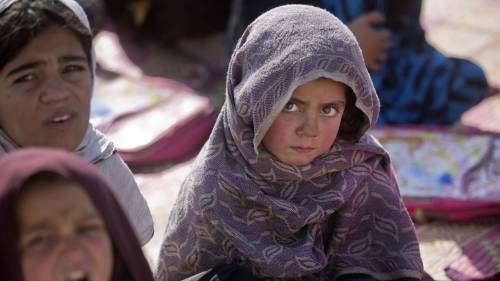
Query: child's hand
{"points": [[374, 42]]}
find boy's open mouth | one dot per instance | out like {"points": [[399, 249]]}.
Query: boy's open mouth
{"points": [[61, 119]]}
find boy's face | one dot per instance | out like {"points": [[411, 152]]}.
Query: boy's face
{"points": [[61, 235], [45, 92], [308, 124]]}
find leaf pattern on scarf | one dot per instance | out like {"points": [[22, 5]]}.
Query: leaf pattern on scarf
{"points": [[254, 178], [411, 249], [334, 159], [171, 249], [361, 246], [331, 195], [270, 176], [285, 206], [281, 240], [211, 151], [360, 198], [258, 215], [316, 216], [236, 234], [292, 170], [232, 147], [228, 247], [230, 189], [271, 252], [380, 177], [357, 157], [192, 258], [244, 110], [308, 264], [203, 233], [289, 191], [246, 136], [207, 201], [360, 170], [386, 226]]}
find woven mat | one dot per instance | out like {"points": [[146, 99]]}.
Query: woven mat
{"points": [[442, 242]]}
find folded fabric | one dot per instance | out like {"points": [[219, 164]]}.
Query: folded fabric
{"points": [[153, 120], [444, 173], [479, 260]]}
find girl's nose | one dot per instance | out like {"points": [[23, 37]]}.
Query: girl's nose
{"points": [[309, 126], [73, 250]]}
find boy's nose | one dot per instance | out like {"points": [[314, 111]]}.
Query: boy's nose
{"points": [[54, 90]]}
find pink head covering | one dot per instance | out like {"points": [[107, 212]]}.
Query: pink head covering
{"points": [[17, 167]]}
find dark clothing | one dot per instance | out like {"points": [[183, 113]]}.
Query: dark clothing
{"points": [[169, 20], [417, 84]]}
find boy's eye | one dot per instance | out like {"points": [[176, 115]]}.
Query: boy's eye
{"points": [[25, 78], [290, 107], [90, 228], [73, 68], [329, 110]]}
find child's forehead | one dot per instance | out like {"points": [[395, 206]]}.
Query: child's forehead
{"points": [[321, 90]]}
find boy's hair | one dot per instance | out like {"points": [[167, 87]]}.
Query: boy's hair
{"points": [[26, 19], [353, 119]]}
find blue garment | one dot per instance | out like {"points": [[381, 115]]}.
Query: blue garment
{"points": [[417, 84]]}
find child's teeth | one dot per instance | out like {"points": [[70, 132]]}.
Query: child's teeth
{"points": [[61, 119], [77, 275]]}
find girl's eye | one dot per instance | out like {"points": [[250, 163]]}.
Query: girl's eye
{"points": [[329, 110], [25, 78], [290, 107], [37, 240]]}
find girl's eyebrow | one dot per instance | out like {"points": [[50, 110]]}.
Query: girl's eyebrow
{"points": [[26, 229], [335, 102], [296, 100]]}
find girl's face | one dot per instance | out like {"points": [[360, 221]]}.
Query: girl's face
{"points": [[61, 235], [309, 122], [45, 92]]}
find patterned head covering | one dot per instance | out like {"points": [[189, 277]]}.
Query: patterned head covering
{"points": [[19, 166], [340, 214]]}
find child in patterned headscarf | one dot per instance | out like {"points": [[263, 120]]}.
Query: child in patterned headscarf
{"points": [[289, 184]]}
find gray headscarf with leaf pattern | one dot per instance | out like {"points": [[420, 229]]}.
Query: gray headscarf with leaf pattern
{"points": [[340, 214]]}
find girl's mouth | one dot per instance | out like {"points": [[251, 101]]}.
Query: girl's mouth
{"points": [[77, 276], [302, 149]]}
